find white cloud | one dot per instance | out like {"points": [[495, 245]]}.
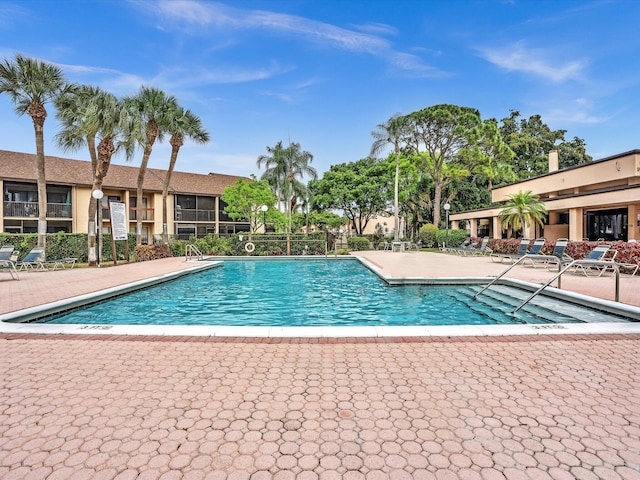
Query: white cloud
{"points": [[537, 62], [9, 12], [190, 13], [377, 28], [562, 116]]}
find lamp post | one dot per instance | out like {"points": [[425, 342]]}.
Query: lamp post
{"points": [[264, 209], [98, 194], [446, 234]]}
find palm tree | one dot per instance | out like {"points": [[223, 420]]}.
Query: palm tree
{"points": [[181, 123], [31, 84], [149, 108], [87, 115], [285, 168], [522, 209], [274, 173], [392, 133]]}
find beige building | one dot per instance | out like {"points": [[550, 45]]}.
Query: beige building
{"points": [[597, 200], [194, 205]]}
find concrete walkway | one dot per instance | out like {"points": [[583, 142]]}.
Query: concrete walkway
{"points": [[109, 407]]}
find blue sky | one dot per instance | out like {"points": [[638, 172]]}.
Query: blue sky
{"points": [[324, 73]]}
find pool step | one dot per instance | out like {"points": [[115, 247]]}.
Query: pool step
{"points": [[548, 309], [497, 311], [503, 300]]}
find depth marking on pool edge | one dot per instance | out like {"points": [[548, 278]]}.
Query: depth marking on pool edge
{"points": [[547, 327], [96, 327]]}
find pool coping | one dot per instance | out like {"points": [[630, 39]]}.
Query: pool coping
{"points": [[322, 332]]}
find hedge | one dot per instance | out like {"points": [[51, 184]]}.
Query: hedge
{"points": [[66, 245], [358, 243]]}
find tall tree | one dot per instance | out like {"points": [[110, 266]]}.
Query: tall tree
{"points": [[287, 168], [391, 133], [181, 123], [275, 172], [31, 84], [491, 159], [522, 209], [244, 200], [443, 135], [87, 115], [360, 189], [150, 108], [531, 140]]}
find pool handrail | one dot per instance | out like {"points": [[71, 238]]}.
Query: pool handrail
{"points": [[561, 270], [192, 251], [600, 263]]}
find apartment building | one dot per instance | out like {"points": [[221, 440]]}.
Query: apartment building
{"points": [[597, 200], [194, 206]]}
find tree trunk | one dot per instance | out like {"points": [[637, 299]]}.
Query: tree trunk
{"points": [[105, 151], [176, 143], [396, 207], [437, 199], [38, 125], [141, 173]]}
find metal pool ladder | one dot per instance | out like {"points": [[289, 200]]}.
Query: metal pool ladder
{"points": [[595, 263], [192, 251]]}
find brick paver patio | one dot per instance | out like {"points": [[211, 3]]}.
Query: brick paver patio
{"points": [[96, 407]]}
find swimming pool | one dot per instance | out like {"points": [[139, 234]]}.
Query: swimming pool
{"points": [[317, 293]]}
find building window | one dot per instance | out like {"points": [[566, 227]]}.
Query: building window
{"points": [[607, 224]]}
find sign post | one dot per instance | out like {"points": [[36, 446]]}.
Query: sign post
{"points": [[118, 212]]}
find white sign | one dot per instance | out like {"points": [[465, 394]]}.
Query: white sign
{"points": [[119, 224]]}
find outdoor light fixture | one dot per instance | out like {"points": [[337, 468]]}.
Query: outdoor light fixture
{"points": [[264, 209], [446, 207], [98, 194]]}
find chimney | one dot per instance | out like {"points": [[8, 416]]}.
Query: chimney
{"points": [[553, 161]]}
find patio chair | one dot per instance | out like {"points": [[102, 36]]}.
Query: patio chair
{"points": [[512, 257], [593, 262], [60, 263], [34, 260], [536, 249], [5, 252], [627, 269], [483, 249], [9, 266], [466, 248]]}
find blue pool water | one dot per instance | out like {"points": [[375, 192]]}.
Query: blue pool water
{"points": [[308, 293]]}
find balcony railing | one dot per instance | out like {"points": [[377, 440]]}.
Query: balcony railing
{"points": [[147, 214], [193, 215], [30, 209]]}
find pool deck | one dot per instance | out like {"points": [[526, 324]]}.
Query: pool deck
{"points": [[122, 407]]}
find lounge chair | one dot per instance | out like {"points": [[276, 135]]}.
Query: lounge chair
{"points": [[535, 251], [522, 251], [60, 263], [466, 248], [5, 252], [34, 260], [483, 249], [629, 269], [594, 262], [9, 266]]}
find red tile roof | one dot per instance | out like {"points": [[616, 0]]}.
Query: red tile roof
{"points": [[17, 166]]}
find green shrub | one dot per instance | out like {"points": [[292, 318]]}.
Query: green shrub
{"points": [[428, 235], [453, 238], [358, 243], [178, 248]]}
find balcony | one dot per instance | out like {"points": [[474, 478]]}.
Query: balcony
{"points": [[146, 214], [30, 209], [194, 215]]}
